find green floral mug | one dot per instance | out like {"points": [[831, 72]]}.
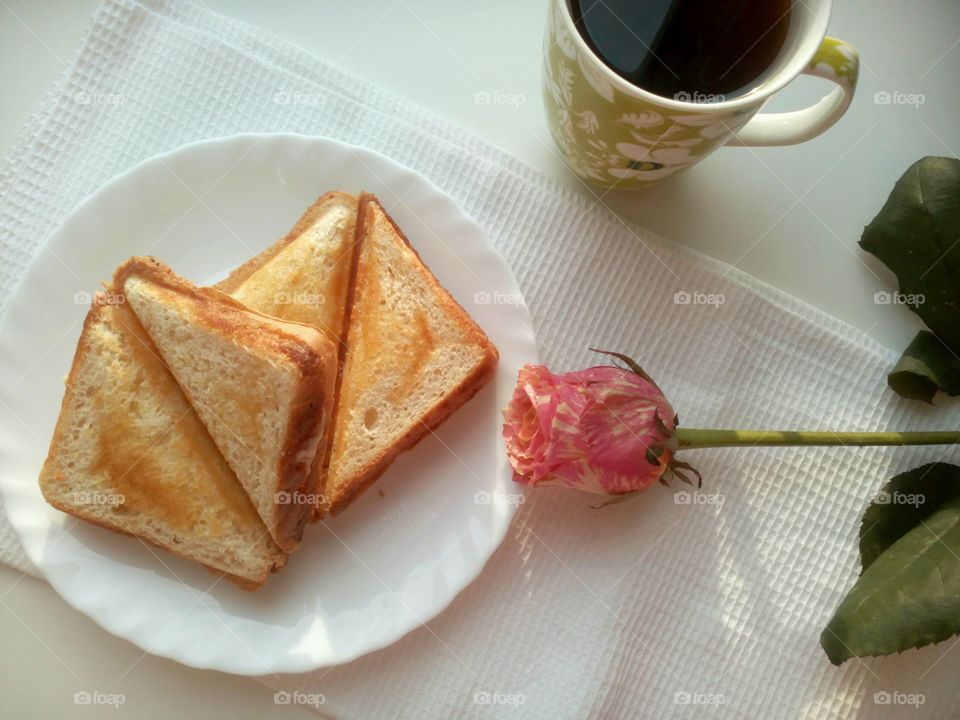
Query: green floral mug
{"points": [[614, 134]]}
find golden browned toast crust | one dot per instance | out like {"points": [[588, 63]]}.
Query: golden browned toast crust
{"points": [[440, 412], [359, 231], [99, 306], [443, 409], [313, 405], [242, 582], [239, 275]]}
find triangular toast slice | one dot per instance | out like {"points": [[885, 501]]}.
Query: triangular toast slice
{"points": [[305, 277], [413, 357], [130, 454], [263, 387]]}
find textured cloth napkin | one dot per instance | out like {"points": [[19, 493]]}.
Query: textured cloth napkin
{"points": [[652, 608]]}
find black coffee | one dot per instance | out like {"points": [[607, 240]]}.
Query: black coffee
{"points": [[693, 49]]}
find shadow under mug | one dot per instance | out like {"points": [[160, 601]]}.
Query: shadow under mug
{"points": [[614, 134]]}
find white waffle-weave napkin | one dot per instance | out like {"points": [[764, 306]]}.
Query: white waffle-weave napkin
{"points": [[647, 609]]}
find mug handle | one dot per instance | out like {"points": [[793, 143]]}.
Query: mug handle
{"points": [[834, 60]]}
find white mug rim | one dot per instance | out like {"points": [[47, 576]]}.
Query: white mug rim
{"points": [[754, 98]]}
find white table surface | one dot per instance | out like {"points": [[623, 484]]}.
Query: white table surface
{"points": [[789, 216]]}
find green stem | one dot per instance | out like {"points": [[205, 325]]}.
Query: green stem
{"points": [[693, 438]]}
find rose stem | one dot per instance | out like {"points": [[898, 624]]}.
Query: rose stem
{"points": [[693, 438]]}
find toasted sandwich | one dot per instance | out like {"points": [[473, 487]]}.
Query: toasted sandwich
{"points": [[130, 454], [304, 277], [413, 357], [263, 387]]}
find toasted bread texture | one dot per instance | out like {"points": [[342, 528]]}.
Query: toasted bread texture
{"points": [[263, 387], [413, 357], [130, 454], [304, 277]]}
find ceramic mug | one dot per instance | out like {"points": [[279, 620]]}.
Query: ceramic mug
{"points": [[614, 134]]}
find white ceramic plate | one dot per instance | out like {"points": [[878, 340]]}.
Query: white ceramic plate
{"points": [[360, 581]]}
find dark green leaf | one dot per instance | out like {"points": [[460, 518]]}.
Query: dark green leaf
{"points": [[909, 592], [902, 503], [917, 235], [926, 365]]}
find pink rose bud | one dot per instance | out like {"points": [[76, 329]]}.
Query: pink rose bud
{"points": [[605, 430]]}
